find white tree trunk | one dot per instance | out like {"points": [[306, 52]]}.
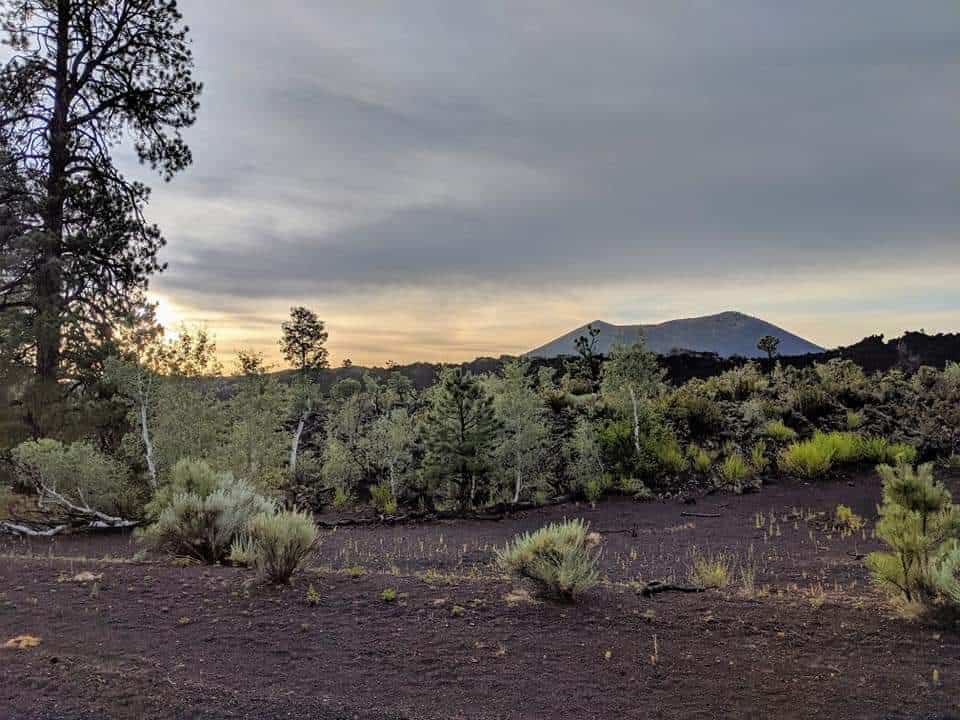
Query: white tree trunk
{"points": [[295, 445], [636, 420], [145, 431], [519, 481]]}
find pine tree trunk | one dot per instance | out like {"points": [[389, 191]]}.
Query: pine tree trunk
{"points": [[49, 280]]}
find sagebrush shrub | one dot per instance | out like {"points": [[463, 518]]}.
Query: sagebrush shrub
{"points": [[561, 559], [921, 527], [205, 527], [279, 543]]}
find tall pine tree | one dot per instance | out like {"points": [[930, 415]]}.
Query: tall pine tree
{"points": [[459, 435]]}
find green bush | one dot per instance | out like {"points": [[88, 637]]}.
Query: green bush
{"points": [[670, 457], [854, 420], [878, 450], [735, 474], [779, 432], [79, 472], [846, 446], [700, 459], [279, 543], [382, 497], [205, 527], [808, 459], [758, 457], [811, 401], [188, 476], [702, 414], [561, 559], [921, 527]]}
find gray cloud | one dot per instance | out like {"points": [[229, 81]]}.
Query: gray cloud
{"points": [[358, 145]]}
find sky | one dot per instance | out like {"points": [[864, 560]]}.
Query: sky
{"points": [[445, 179]]}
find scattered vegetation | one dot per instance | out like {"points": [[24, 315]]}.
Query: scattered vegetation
{"points": [[710, 570]]}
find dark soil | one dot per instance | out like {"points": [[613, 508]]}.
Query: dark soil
{"points": [[154, 640]]}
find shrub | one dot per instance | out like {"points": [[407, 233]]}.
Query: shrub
{"points": [[670, 457], [702, 414], [807, 459], [382, 497], [758, 457], [595, 487], [280, 542], [854, 420], [188, 476], [811, 401], [79, 472], [846, 446], [205, 527], [846, 519], [560, 558], [700, 459], [734, 469], [710, 570], [879, 450], [776, 430], [921, 526]]}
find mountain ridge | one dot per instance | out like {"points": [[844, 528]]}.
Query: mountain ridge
{"points": [[728, 333]]}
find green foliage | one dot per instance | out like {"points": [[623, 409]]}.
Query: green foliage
{"points": [[759, 461], [79, 472], [205, 527], [739, 383], [854, 420], [521, 415], [700, 459], [701, 413], [734, 473], [710, 570], [809, 459], [840, 378], [459, 433], [280, 543], [811, 401], [878, 450], [382, 497], [596, 487], [388, 595], [255, 443], [584, 456], [779, 432], [560, 558], [846, 519], [669, 456], [188, 476], [921, 527]]}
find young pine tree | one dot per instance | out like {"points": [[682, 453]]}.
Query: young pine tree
{"points": [[921, 526], [459, 435]]}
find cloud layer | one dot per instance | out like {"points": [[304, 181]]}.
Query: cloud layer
{"points": [[442, 180]]}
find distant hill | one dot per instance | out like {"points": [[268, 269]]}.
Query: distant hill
{"points": [[727, 334]]}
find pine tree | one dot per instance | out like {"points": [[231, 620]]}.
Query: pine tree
{"points": [[921, 526], [459, 435]]}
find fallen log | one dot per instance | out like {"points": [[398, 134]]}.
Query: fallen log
{"points": [[658, 586], [494, 513], [700, 515]]}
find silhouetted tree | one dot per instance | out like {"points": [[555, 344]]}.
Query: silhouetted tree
{"points": [[84, 75], [769, 345], [304, 341]]}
